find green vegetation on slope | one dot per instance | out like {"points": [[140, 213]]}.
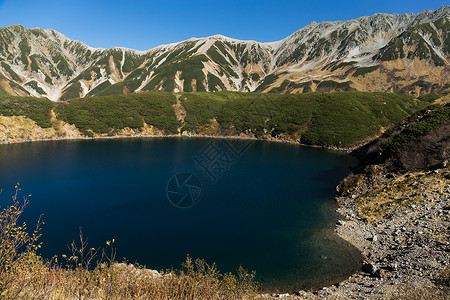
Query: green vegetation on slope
{"points": [[331, 85], [34, 85], [73, 91], [434, 120], [13, 74], [365, 70], [318, 119], [37, 109], [346, 118], [112, 113], [202, 107], [325, 119], [433, 96], [420, 142], [260, 114], [115, 89]]}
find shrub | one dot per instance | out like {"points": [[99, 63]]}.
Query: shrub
{"points": [[15, 241], [109, 114], [365, 70], [416, 126], [37, 109], [349, 184]]}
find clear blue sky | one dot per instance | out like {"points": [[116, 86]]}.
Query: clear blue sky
{"points": [[144, 24]]}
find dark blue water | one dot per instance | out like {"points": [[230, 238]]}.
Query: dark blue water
{"points": [[265, 206]]}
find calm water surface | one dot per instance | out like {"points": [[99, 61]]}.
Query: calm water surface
{"points": [[267, 209]]}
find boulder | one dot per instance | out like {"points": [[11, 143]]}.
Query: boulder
{"points": [[369, 268], [379, 273]]}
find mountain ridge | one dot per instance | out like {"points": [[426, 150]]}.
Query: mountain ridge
{"points": [[383, 52]]}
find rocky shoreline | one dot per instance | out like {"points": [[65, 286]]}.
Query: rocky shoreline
{"points": [[125, 136], [405, 254]]}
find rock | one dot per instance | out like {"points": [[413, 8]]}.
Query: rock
{"points": [[302, 294], [373, 239], [137, 271], [369, 268], [340, 222], [379, 273], [393, 266], [154, 274]]}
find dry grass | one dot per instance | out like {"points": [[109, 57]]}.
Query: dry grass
{"points": [[389, 196], [36, 279]]}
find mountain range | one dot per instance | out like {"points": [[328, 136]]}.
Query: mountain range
{"points": [[406, 53]]}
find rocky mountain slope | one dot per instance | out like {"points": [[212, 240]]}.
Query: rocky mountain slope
{"points": [[400, 53]]}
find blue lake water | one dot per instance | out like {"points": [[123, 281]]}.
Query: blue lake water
{"points": [[266, 206]]}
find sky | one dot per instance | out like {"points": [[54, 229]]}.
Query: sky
{"points": [[144, 24]]}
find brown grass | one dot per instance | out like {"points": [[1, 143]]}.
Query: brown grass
{"points": [[391, 195], [35, 278]]}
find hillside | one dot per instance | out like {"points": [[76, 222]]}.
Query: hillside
{"points": [[399, 53], [420, 142], [395, 209], [340, 120]]}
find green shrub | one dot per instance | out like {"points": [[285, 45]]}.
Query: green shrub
{"points": [[73, 91], [35, 86], [108, 114], [365, 70], [37, 109], [331, 85], [433, 96], [416, 126]]}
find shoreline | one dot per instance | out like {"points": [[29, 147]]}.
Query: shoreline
{"points": [[348, 149], [403, 254]]}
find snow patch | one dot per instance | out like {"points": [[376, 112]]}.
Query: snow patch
{"points": [[84, 88], [145, 81], [179, 83]]}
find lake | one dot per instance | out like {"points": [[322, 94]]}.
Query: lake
{"points": [[266, 206]]}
